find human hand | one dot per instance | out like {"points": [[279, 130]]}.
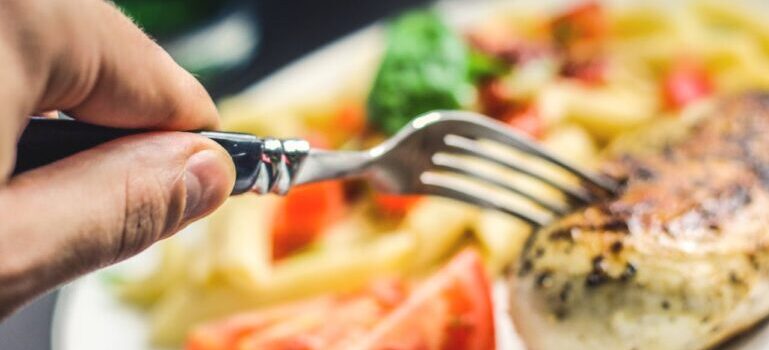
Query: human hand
{"points": [[108, 203]]}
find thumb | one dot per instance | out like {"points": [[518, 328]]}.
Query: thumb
{"points": [[103, 205]]}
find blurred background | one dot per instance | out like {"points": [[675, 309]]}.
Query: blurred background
{"points": [[228, 45]]}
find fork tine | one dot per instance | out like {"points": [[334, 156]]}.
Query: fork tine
{"points": [[445, 164], [460, 145], [477, 126], [442, 186]]}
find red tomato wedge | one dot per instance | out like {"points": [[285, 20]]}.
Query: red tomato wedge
{"points": [[687, 81], [450, 311], [351, 119], [393, 204], [304, 213], [584, 23], [526, 120]]}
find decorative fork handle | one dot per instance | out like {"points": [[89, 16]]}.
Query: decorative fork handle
{"points": [[262, 165]]}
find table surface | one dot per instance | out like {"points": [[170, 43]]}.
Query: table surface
{"points": [[290, 29]]}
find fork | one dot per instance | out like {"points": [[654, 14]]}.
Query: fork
{"points": [[438, 153]]}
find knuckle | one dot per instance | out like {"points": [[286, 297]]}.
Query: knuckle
{"points": [[186, 104], [178, 99]]}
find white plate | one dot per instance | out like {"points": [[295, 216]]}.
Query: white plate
{"points": [[87, 315]]}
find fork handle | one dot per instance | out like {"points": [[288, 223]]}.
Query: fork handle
{"points": [[45, 141]]}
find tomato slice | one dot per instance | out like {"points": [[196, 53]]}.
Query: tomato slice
{"points": [[450, 311], [395, 205], [687, 81], [303, 215], [472, 326], [226, 334]]}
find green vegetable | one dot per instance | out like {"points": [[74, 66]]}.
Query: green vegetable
{"points": [[425, 67], [482, 66]]}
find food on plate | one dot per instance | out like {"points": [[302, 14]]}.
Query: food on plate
{"points": [[678, 260], [588, 80], [449, 310]]}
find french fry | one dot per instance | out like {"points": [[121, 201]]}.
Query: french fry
{"points": [[437, 225], [742, 65], [238, 249], [640, 22], [737, 16], [187, 305], [572, 143], [609, 111], [323, 271], [171, 271], [501, 237]]}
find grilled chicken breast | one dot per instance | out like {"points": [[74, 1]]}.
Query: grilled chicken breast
{"points": [[678, 260]]}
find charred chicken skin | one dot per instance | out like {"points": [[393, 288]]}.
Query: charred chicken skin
{"points": [[679, 259]]}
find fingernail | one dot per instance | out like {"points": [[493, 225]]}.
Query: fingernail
{"points": [[205, 175]]}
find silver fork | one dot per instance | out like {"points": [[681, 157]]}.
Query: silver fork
{"points": [[412, 162], [436, 154]]}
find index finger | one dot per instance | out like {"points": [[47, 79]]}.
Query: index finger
{"points": [[106, 71]]}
